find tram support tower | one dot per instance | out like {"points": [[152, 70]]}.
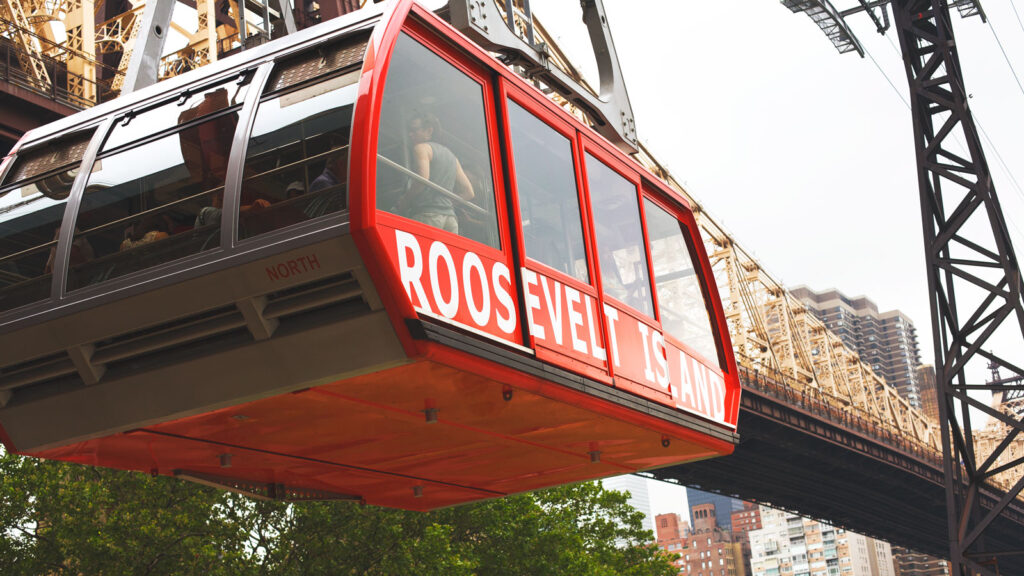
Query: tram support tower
{"points": [[974, 278]]}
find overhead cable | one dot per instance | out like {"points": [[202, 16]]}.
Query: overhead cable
{"points": [[991, 144], [1005, 57]]}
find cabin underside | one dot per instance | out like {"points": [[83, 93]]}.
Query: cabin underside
{"points": [[418, 436]]}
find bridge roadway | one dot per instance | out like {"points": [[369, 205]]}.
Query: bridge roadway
{"points": [[804, 455]]}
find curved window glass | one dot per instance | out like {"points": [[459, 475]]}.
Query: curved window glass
{"points": [[681, 305], [159, 200], [296, 165], [433, 158], [31, 212], [549, 204], [620, 237]]}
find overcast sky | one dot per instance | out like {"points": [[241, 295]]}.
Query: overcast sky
{"points": [[804, 154]]}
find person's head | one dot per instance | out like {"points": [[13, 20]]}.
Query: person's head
{"points": [[296, 188], [423, 126]]}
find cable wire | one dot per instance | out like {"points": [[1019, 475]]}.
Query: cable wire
{"points": [[1005, 57], [1017, 14], [887, 79], [977, 122]]}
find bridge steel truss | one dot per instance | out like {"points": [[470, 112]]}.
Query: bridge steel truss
{"points": [[973, 277]]}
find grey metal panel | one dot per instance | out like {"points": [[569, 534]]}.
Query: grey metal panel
{"points": [[203, 384], [236, 162], [144, 64], [67, 229]]}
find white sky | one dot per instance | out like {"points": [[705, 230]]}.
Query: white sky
{"points": [[804, 154]]}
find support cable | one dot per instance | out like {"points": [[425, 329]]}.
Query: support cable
{"points": [[992, 27], [1017, 14], [1006, 168]]}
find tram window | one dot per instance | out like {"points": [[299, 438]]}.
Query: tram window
{"points": [[548, 200], [681, 305], [296, 164], [187, 108], [30, 216], [620, 237], [160, 200], [434, 163]]}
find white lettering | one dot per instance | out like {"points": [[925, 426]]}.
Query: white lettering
{"points": [[554, 308], [572, 296], [598, 351], [532, 303], [612, 316], [482, 314], [700, 376], [660, 358], [717, 396], [648, 373], [449, 308], [410, 273], [687, 398], [507, 323]]}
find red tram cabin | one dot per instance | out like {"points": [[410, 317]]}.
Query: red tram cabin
{"points": [[365, 262]]}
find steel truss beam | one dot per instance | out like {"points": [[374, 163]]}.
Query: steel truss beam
{"points": [[973, 276]]}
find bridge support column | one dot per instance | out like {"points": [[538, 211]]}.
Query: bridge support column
{"points": [[974, 282]]}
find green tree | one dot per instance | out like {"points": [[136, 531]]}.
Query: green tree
{"points": [[60, 518]]}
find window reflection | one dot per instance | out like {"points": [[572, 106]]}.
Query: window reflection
{"points": [[188, 107], [548, 200], [433, 156], [156, 202], [620, 238], [681, 305], [31, 212], [296, 165]]}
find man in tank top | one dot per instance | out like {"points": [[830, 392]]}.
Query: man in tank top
{"points": [[436, 163]]}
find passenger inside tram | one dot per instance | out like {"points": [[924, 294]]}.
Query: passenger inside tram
{"points": [[433, 150], [434, 163]]}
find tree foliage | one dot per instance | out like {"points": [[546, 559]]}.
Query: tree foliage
{"points": [[60, 519]]}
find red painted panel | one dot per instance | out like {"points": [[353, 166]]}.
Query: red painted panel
{"points": [[648, 364], [564, 318], [471, 288]]}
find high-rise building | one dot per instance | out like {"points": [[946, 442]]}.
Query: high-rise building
{"points": [[910, 563], [886, 341], [639, 497], [787, 545], [743, 521], [724, 506]]}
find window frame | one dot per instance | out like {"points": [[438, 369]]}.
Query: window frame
{"points": [[543, 114], [551, 115], [256, 74], [684, 216], [100, 127], [240, 149], [482, 75], [589, 145]]}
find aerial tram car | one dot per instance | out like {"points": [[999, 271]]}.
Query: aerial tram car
{"points": [[366, 261]]}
